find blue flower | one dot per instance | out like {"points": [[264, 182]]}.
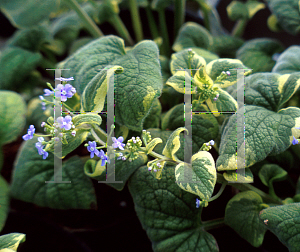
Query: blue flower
{"points": [[295, 141], [102, 155], [197, 203], [39, 145], [30, 133], [66, 91], [48, 92], [65, 123], [92, 148], [43, 106], [64, 79], [118, 143]]}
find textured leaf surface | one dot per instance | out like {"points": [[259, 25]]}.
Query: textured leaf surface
{"points": [[16, 64], [31, 172], [238, 177], [86, 118], [152, 120], [27, 13], [11, 241], [200, 178], [242, 214], [123, 170], [287, 14], [135, 89], [284, 222], [225, 45], [257, 54], [192, 35], [288, 61], [266, 133], [4, 202], [12, 116], [270, 90], [168, 214]]}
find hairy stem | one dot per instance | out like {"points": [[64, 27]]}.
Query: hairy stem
{"points": [[239, 28], [164, 33], [211, 224], [136, 20], [152, 23], [85, 18], [118, 24], [218, 194], [179, 14]]}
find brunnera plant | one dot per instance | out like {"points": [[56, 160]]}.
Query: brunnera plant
{"points": [[146, 75]]}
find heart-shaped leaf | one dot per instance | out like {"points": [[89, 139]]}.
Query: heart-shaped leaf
{"points": [[242, 214], [31, 172], [288, 61]]}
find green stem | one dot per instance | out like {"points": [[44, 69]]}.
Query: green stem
{"points": [[156, 155], [136, 20], [152, 23], [211, 224], [118, 24], [206, 9], [164, 33], [272, 192], [179, 15], [67, 107], [218, 194], [85, 18], [239, 28]]}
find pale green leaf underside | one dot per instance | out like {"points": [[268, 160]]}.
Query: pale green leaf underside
{"points": [[31, 172], [266, 133], [200, 179], [270, 173], [168, 214], [242, 176], [284, 222], [12, 116], [242, 214], [11, 241]]}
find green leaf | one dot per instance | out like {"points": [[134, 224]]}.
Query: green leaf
{"points": [[168, 214], [160, 4], [72, 142], [123, 170], [288, 61], [27, 13], [4, 202], [226, 45], [30, 39], [89, 118], [253, 7], [77, 44], [216, 67], [192, 35], [270, 173], [165, 67], [283, 221], [233, 176], [273, 24], [205, 125], [177, 81], [11, 241], [150, 146], [242, 214], [237, 10], [1, 158], [272, 130], [15, 65], [12, 117], [135, 90], [31, 172], [270, 90], [203, 172], [287, 14], [207, 55], [257, 54], [181, 60], [173, 144], [152, 120]]}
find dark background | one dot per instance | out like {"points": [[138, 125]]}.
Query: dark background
{"points": [[115, 226]]}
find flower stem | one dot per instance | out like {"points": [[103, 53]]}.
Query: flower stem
{"points": [[85, 18], [118, 24], [211, 224], [239, 28], [152, 23], [218, 194], [68, 109], [136, 20], [99, 134], [179, 15], [164, 33], [156, 155], [206, 9]]}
